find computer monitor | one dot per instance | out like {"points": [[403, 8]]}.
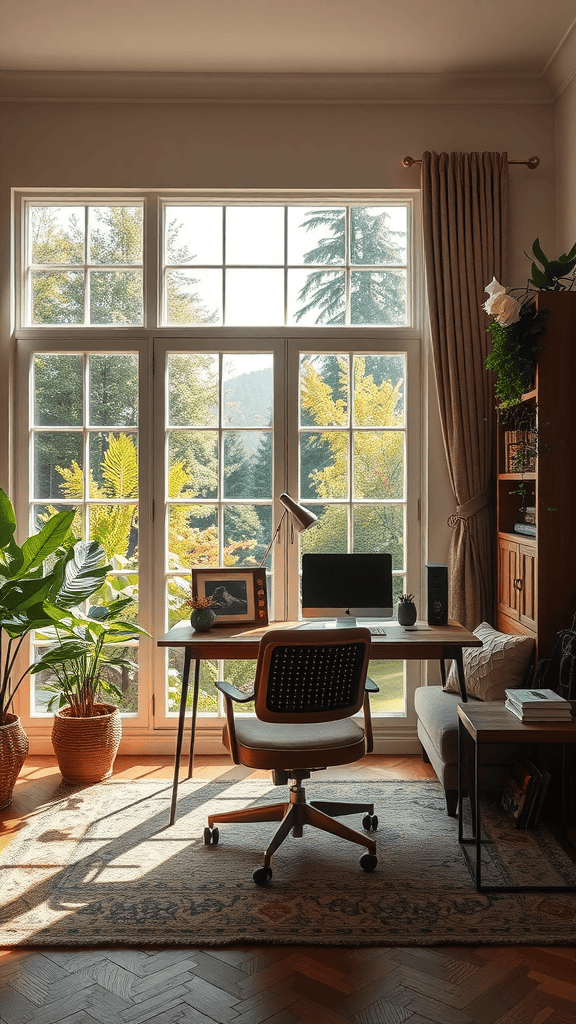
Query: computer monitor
{"points": [[347, 586]]}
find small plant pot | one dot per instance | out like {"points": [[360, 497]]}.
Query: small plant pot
{"points": [[202, 619], [407, 613], [86, 748], [14, 747]]}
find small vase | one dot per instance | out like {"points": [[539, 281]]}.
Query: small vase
{"points": [[407, 614], [202, 619]]}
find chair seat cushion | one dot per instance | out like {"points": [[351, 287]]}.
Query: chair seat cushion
{"points": [[269, 745]]}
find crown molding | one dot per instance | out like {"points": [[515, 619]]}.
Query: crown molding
{"points": [[561, 68], [140, 87]]}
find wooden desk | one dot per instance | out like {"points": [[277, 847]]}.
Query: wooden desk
{"points": [[419, 643], [490, 722]]}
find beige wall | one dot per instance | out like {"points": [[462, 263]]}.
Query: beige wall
{"points": [[565, 113], [333, 146]]}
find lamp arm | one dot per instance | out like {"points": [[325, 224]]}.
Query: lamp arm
{"points": [[275, 534]]}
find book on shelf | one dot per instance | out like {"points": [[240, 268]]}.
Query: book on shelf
{"points": [[520, 792], [534, 697], [526, 529]]}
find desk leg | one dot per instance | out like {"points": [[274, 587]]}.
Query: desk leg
{"points": [[455, 653], [194, 715], [181, 717], [460, 669], [443, 671]]}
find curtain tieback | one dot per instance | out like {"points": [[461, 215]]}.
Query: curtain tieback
{"points": [[470, 508]]}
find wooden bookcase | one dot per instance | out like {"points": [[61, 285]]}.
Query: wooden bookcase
{"points": [[536, 576]]}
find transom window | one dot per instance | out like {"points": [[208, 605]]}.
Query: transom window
{"points": [[84, 265], [285, 265]]}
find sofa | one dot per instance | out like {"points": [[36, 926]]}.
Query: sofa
{"points": [[503, 661]]}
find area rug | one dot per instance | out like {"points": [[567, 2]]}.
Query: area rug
{"points": [[99, 866]]}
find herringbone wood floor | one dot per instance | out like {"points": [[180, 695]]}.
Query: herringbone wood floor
{"points": [[276, 985]]}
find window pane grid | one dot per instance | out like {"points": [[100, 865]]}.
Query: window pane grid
{"points": [[357, 289], [84, 264], [218, 502]]}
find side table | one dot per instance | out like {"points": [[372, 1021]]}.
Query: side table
{"points": [[490, 722]]}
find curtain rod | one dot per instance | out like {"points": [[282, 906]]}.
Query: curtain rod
{"points": [[532, 162]]}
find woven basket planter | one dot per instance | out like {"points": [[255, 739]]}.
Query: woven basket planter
{"points": [[86, 748], [13, 750]]}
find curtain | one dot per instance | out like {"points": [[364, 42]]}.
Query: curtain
{"points": [[465, 224]]}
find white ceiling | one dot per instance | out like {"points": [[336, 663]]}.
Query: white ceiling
{"points": [[481, 37]]}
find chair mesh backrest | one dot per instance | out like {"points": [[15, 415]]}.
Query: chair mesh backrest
{"points": [[313, 679]]}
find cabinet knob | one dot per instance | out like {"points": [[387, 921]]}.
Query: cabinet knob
{"points": [[518, 583]]}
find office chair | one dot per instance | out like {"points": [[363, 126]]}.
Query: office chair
{"points": [[306, 690]]}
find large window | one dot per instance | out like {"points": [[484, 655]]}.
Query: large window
{"points": [[181, 363]]}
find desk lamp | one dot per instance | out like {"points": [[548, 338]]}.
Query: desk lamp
{"points": [[301, 519]]}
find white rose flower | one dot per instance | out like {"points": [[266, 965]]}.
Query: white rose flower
{"points": [[494, 289], [505, 309]]}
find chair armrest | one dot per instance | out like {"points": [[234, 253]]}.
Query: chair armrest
{"points": [[370, 686], [233, 692]]}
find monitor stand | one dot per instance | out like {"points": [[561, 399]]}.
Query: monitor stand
{"points": [[346, 622]]}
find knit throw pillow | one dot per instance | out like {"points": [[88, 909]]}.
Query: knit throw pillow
{"points": [[502, 662]]}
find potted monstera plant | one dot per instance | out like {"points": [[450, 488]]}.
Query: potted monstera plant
{"points": [[84, 648], [47, 571]]}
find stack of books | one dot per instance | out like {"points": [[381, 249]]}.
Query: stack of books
{"points": [[524, 792], [538, 706]]}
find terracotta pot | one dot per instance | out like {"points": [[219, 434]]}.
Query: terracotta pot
{"points": [[86, 748], [13, 750]]}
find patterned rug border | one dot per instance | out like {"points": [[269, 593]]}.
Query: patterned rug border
{"points": [[543, 919]]}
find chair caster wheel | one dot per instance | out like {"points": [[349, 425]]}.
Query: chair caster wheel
{"points": [[262, 876], [370, 822], [368, 862], [211, 835]]}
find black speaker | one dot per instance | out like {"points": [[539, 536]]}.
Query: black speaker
{"points": [[437, 594]]}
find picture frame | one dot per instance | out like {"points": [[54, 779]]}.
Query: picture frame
{"points": [[239, 594]]}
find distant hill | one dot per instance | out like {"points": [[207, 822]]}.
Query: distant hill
{"points": [[249, 398]]}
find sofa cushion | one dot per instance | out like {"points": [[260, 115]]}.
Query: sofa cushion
{"points": [[502, 662], [437, 713]]}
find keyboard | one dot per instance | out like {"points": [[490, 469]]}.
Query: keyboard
{"points": [[377, 630]]}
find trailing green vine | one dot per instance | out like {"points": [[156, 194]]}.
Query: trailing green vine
{"points": [[514, 354], [518, 326]]}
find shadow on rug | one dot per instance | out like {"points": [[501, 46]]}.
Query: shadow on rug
{"points": [[100, 866]]}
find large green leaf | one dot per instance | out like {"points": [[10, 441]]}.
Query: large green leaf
{"points": [[52, 535], [538, 253], [84, 573], [7, 519]]}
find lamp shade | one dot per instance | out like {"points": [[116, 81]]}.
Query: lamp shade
{"points": [[301, 516]]}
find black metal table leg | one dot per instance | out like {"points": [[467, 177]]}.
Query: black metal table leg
{"points": [[460, 780], [476, 818], [455, 654], [194, 715], [181, 717]]}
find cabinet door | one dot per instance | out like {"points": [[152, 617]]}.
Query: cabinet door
{"points": [[508, 579], [526, 585]]}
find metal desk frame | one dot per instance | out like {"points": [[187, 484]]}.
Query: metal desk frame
{"points": [[423, 643]]}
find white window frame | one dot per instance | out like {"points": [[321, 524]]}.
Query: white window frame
{"points": [[149, 733]]}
